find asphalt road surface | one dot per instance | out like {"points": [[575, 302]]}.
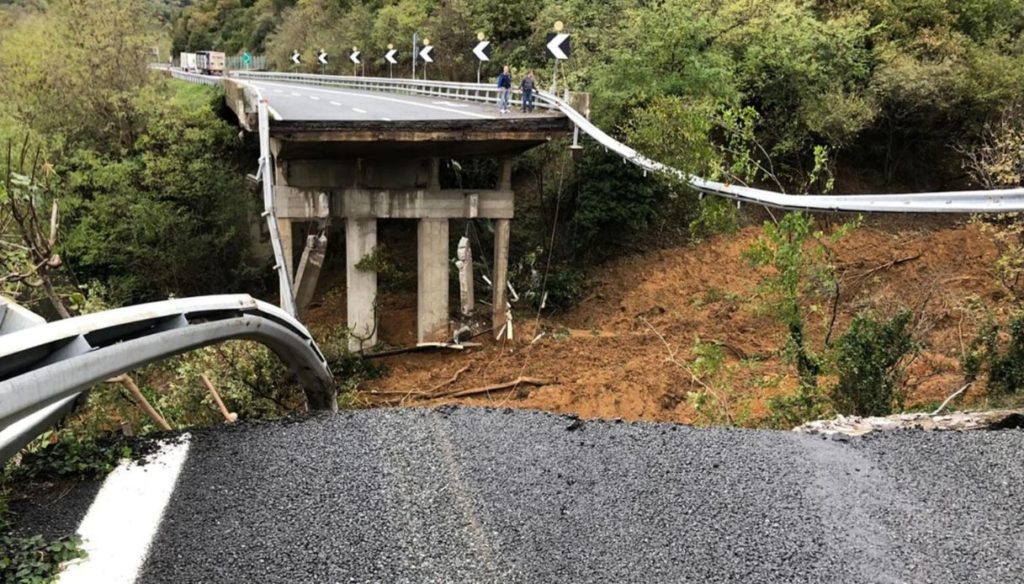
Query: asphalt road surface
{"points": [[468, 495], [293, 102]]}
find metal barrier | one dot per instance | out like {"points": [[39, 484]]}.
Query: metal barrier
{"points": [[44, 368]]}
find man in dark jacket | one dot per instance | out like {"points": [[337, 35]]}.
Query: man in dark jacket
{"points": [[504, 89], [528, 85]]}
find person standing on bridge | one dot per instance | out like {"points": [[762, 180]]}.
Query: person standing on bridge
{"points": [[528, 85], [504, 89]]}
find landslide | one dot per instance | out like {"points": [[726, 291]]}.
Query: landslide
{"points": [[623, 351]]}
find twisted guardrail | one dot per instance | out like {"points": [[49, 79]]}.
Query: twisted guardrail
{"points": [[44, 368], [969, 201]]}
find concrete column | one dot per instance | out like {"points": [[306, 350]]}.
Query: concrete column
{"points": [[284, 229], [308, 274], [360, 241], [432, 281], [502, 231], [505, 178]]}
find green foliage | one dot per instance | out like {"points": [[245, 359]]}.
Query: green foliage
{"points": [[611, 203], [34, 559], [63, 454], [169, 215], [802, 270], [1001, 362], [871, 359], [789, 411]]}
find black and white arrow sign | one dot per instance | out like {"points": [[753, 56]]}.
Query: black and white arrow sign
{"points": [[558, 46], [296, 58], [390, 56], [483, 50], [322, 57], [354, 57], [425, 54]]}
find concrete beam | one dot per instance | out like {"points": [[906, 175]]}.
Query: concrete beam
{"points": [[423, 204], [299, 203], [360, 241], [432, 281]]}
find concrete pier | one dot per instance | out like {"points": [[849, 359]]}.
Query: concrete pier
{"points": [[432, 281], [360, 242]]}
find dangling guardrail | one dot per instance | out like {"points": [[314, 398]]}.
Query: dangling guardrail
{"points": [[44, 368]]}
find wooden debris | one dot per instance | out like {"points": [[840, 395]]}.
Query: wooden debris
{"points": [[229, 417], [140, 399], [497, 387]]}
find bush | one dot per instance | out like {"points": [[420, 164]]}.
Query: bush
{"points": [[871, 358], [1004, 366], [63, 454]]}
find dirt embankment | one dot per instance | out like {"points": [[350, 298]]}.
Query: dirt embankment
{"points": [[609, 358]]}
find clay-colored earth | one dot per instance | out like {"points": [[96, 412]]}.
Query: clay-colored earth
{"points": [[626, 350]]}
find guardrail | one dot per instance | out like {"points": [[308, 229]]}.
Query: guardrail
{"points": [[44, 368]]}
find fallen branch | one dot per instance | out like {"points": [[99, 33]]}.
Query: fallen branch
{"points": [[950, 398], [888, 265], [498, 387]]}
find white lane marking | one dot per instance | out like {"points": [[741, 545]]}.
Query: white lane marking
{"points": [[335, 103], [450, 104], [379, 98], [121, 523], [296, 94], [386, 119], [359, 111], [273, 114], [278, 91], [314, 98]]}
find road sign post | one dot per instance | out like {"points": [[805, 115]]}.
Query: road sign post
{"points": [[296, 59], [390, 58], [321, 58], [482, 50], [415, 49], [425, 54], [559, 49], [354, 57]]}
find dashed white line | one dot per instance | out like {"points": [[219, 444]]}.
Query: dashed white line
{"points": [[296, 93], [386, 119], [314, 98], [278, 91], [461, 112], [335, 103], [359, 111]]}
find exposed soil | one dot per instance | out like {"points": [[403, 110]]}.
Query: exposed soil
{"points": [[609, 358]]}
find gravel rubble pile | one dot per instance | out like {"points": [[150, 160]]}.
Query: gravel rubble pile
{"points": [[475, 495]]}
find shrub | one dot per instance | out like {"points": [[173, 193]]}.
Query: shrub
{"points": [[871, 358], [1004, 366]]}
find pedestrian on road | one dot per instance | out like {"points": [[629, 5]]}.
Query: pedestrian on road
{"points": [[504, 89], [528, 85]]}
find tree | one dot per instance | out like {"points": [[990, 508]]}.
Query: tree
{"points": [[29, 229]]}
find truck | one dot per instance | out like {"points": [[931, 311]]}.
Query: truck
{"points": [[187, 61], [210, 62]]}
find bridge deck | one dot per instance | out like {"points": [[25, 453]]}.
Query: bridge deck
{"points": [[293, 102]]}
